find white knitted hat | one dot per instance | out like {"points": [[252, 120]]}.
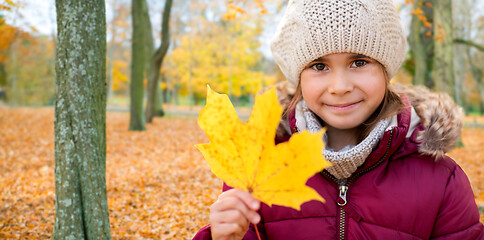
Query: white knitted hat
{"points": [[311, 29]]}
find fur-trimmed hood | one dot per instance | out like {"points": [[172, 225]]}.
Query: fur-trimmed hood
{"points": [[438, 113]]}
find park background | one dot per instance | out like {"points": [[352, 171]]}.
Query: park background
{"points": [[158, 185]]}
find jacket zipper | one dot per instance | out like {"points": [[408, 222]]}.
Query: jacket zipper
{"points": [[342, 224], [343, 189]]}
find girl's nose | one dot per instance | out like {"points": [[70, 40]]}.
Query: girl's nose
{"points": [[340, 83]]}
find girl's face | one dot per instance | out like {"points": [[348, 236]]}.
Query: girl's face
{"points": [[343, 89]]}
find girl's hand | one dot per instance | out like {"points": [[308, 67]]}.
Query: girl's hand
{"points": [[232, 213]]}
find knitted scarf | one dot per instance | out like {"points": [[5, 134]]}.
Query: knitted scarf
{"points": [[347, 160]]}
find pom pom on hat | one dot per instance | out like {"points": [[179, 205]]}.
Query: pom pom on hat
{"points": [[311, 29]]}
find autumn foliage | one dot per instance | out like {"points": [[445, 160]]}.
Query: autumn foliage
{"points": [[159, 186], [244, 155], [8, 35], [234, 8]]}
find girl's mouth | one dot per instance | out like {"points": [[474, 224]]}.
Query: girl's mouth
{"points": [[343, 107]]}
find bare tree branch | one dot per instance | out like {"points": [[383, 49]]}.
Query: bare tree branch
{"points": [[469, 43]]}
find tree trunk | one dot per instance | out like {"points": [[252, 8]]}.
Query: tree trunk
{"points": [[3, 82], [421, 44], [150, 46], [138, 53], [157, 104], [165, 95], [159, 96], [156, 62], [418, 49], [480, 86], [477, 75], [80, 121], [443, 70], [3, 75], [149, 65]]}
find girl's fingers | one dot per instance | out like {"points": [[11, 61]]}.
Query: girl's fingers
{"points": [[232, 213], [236, 207], [244, 196], [241, 201], [229, 217], [228, 224]]}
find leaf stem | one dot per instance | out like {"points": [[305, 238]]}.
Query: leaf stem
{"points": [[257, 232]]}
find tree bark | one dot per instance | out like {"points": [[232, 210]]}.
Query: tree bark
{"points": [[443, 70], [80, 121], [154, 107], [138, 53], [418, 49], [157, 105], [415, 41], [150, 46]]}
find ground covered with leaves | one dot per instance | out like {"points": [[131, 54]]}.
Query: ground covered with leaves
{"points": [[158, 184]]}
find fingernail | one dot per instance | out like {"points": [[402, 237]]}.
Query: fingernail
{"points": [[256, 219], [255, 205]]}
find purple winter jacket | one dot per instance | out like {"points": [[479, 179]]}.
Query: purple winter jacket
{"points": [[398, 193]]}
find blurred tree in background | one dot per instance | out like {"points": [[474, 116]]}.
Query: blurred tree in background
{"points": [[443, 67], [469, 54], [421, 43], [444, 43], [139, 57], [154, 105]]}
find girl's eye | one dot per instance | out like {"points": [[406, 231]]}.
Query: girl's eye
{"points": [[319, 67], [359, 63]]}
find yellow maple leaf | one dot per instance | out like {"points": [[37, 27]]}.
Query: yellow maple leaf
{"points": [[245, 156]]}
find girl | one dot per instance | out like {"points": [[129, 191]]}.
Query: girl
{"points": [[390, 178]]}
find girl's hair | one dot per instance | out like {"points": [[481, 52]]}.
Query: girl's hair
{"points": [[391, 105]]}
